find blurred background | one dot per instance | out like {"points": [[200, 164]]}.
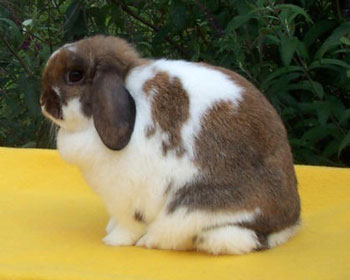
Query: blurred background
{"points": [[296, 52]]}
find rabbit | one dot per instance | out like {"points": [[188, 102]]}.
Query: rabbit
{"points": [[185, 155]]}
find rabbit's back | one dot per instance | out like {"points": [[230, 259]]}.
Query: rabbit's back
{"points": [[177, 95], [221, 123]]}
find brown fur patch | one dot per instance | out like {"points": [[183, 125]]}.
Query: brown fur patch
{"points": [[89, 56], [169, 188], [150, 131], [246, 162], [170, 109], [138, 216]]}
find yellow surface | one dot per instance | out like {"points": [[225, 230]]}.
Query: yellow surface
{"points": [[51, 225]]}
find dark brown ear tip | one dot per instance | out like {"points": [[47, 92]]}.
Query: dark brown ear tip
{"points": [[125, 131], [114, 112], [122, 143], [119, 139]]}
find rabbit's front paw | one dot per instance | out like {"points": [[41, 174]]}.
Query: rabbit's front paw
{"points": [[110, 226], [118, 236], [147, 241]]}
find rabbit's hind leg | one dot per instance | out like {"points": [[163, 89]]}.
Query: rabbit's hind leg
{"points": [[228, 239]]}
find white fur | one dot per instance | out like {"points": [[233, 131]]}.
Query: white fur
{"points": [[125, 180], [46, 114], [111, 225], [70, 47], [228, 240], [120, 236], [74, 120], [136, 178], [53, 55], [177, 230], [282, 236], [91, 59], [57, 90]]}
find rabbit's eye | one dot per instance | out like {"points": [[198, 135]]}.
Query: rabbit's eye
{"points": [[75, 76]]}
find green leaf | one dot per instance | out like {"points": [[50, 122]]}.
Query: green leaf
{"points": [[31, 93], [344, 143], [30, 144], [14, 107], [309, 85], [307, 108], [336, 105], [287, 49], [27, 22], [117, 16], [280, 71], [75, 24], [301, 49], [345, 117], [345, 41], [318, 133], [323, 111], [238, 21], [243, 7], [271, 39], [325, 62], [14, 30], [331, 149], [318, 29], [296, 9], [317, 88], [280, 87], [334, 39]]}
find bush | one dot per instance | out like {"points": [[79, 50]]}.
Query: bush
{"points": [[295, 52]]}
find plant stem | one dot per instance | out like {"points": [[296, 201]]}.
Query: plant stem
{"points": [[76, 8], [38, 138], [13, 77], [20, 60], [337, 5], [301, 61], [126, 9], [48, 29]]}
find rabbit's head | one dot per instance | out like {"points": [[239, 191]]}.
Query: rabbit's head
{"points": [[84, 81]]}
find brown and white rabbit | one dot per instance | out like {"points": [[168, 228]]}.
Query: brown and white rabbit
{"points": [[184, 155]]}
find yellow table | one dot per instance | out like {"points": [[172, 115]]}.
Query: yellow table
{"points": [[51, 225]]}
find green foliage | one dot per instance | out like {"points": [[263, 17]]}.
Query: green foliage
{"points": [[296, 52]]}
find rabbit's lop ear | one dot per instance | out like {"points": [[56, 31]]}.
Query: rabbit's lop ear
{"points": [[113, 109]]}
